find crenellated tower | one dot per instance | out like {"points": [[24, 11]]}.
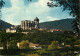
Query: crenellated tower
{"points": [[36, 20]]}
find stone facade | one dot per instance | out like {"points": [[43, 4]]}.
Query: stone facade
{"points": [[30, 24], [11, 30]]}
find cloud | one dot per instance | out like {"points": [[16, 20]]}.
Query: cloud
{"points": [[38, 8], [49, 18], [7, 3], [19, 11], [15, 13]]}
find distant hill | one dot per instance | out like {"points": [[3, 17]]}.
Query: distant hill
{"points": [[64, 24], [4, 25]]}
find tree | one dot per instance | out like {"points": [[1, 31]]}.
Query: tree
{"points": [[12, 44], [73, 7], [54, 45], [0, 42], [24, 44], [76, 25], [1, 3], [29, 0]]}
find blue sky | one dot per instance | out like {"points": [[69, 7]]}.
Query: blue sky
{"points": [[14, 11]]}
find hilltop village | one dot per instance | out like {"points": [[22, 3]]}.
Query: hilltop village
{"points": [[29, 36], [28, 25]]}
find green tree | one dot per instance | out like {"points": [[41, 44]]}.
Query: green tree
{"points": [[24, 44], [12, 44], [73, 7], [1, 3], [54, 45], [77, 42], [0, 42]]}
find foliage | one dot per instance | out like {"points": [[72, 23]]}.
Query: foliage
{"points": [[66, 23], [1, 3], [76, 25], [77, 42], [73, 7], [39, 37], [23, 54], [10, 37], [45, 38], [12, 44], [19, 30], [24, 44], [54, 45], [0, 42]]}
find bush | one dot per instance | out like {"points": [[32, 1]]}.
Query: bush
{"points": [[24, 44], [54, 45]]}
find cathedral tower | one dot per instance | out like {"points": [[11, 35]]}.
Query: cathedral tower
{"points": [[36, 20]]}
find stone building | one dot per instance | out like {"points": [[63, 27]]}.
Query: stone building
{"points": [[11, 30], [30, 24]]}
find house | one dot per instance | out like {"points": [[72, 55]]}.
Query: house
{"points": [[1, 48], [74, 45], [25, 32], [31, 28], [34, 46], [42, 29], [11, 30], [55, 31]]}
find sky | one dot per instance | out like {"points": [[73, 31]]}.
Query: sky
{"points": [[15, 11]]}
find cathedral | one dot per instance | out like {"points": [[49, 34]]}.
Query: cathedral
{"points": [[30, 24]]}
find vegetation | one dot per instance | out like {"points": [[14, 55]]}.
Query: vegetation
{"points": [[47, 40], [54, 45], [1, 3], [40, 37], [0, 40], [10, 38], [12, 44], [58, 24], [73, 7], [24, 45]]}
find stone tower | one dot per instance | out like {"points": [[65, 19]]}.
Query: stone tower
{"points": [[36, 20]]}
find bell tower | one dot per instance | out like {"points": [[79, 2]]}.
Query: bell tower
{"points": [[36, 20]]}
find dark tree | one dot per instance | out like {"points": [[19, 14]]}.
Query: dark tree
{"points": [[29, 0], [73, 7], [1, 5]]}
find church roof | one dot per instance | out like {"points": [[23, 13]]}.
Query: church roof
{"points": [[36, 19]]}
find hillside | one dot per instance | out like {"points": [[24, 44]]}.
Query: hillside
{"points": [[4, 25], [64, 24]]}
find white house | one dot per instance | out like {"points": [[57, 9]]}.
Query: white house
{"points": [[11, 30], [1, 48], [34, 46]]}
